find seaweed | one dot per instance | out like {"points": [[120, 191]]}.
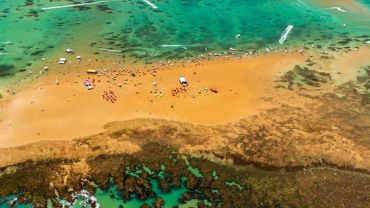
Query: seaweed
{"points": [[301, 76], [6, 69]]}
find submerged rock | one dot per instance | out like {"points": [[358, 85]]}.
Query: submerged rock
{"points": [[301, 76], [159, 202]]}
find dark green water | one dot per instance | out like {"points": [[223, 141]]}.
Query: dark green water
{"points": [[139, 31]]}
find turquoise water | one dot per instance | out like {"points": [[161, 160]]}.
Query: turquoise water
{"points": [[4, 202], [233, 183], [111, 198], [171, 199], [214, 175], [194, 171], [139, 31], [366, 2]]}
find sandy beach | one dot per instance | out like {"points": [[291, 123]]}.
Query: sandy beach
{"points": [[45, 110], [57, 106]]}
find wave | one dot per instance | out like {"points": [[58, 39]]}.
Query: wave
{"points": [[7, 42], [110, 50], [75, 5], [336, 8]]}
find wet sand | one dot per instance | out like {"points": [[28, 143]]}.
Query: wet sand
{"points": [[351, 13]]}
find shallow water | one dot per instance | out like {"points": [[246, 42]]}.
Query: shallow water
{"points": [[4, 202], [176, 29], [111, 197]]}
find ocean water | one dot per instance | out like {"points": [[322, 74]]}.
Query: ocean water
{"points": [[366, 2], [172, 29]]}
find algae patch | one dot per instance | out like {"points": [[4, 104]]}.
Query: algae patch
{"points": [[363, 80], [303, 76], [6, 69]]}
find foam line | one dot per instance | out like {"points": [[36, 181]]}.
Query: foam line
{"points": [[336, 8], [150, 4], [75, 5], [178, 46], [7, 42], [110, 50], [172, 46], [285, 34], [302, 4]]}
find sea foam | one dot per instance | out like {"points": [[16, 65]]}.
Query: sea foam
{"points": [[75, 5]]}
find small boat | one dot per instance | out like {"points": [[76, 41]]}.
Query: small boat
{"points": [[62, 61], [237, 36], [214, 90], [68, 50]]}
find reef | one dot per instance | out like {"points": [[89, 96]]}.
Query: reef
{"points": [[302, 75], [363, 81], [6, 69], [233, 185]]}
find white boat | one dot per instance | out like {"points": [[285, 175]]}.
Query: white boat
{"points": [[285, 34], [62, 61], [68, 50]]}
